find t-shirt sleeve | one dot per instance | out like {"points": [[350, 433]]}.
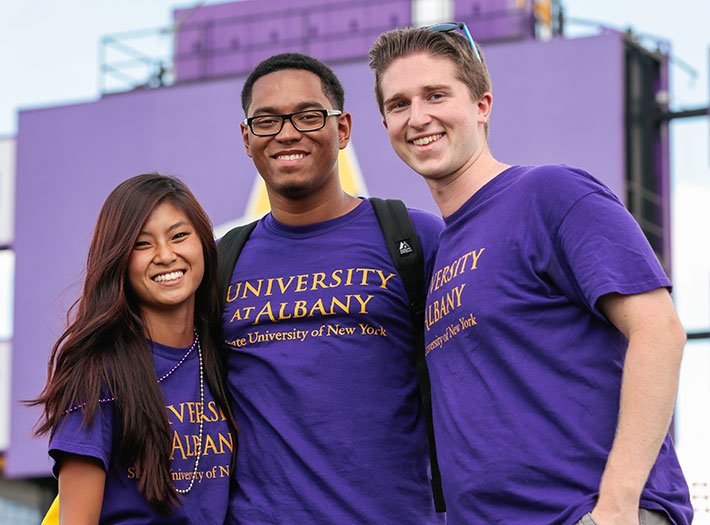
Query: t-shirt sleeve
{"points": [[429, 228], [599, 248], [71, 437]]}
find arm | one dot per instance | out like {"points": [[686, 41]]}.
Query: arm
{"points": [[81, 490], [648, 390]]}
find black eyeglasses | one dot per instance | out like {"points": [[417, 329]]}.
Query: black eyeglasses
{"points": [[453, 26], [303, 121]]}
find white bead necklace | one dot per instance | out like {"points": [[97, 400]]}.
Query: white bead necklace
{"points": [[182, 360], [200, 416], [103, 400]]}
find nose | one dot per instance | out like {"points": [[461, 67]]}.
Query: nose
{"points": [[288, 132], [164, 253], [419, 115]]}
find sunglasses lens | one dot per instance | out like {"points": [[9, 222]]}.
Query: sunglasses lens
{"points": [[450, 26]]}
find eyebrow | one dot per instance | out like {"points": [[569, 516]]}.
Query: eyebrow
{"points": [[271, 110], [434, 87], [396, 96], [179, 224]]}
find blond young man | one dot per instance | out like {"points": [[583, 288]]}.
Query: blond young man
{"points": [[553, 345]]}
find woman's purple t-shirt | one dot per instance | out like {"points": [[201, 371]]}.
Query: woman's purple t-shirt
{"points": [[208, 499]]}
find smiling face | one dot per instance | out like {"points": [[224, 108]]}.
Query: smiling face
{"points": [[295, 164], [167, 263], [432, 122]]}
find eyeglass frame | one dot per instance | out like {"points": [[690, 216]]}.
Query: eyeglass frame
{"points": [[289, 116], [446, 27]]}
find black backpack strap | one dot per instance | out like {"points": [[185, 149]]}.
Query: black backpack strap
{"points": [[408, 258], [228, 249]]}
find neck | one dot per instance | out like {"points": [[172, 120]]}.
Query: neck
{"points": [[170, 328], [452, 191], [329, 203]]}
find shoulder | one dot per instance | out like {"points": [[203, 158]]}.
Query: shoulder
{"points": [[552, 190], [559, 181], [426, 223], [239, 230], [428, 227], [75, 436]]}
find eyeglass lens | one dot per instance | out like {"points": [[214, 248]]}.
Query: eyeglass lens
{"points": [[302, 121]]}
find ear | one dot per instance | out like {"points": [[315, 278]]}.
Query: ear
{"points": [[345, 125], [384, 122], [245, 137], [485, 105]]}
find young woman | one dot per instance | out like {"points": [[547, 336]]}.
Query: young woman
{"points": [[135, 400]]}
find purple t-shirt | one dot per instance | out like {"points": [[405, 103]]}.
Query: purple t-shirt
{"points": [[322, 369], [207, 502], [525, 370]]}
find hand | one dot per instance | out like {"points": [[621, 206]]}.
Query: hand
{"points": [[603, 516]]}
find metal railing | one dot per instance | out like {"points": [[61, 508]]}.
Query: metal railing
{"points": [[695, 336]]}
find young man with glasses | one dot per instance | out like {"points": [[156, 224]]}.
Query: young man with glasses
{"points": [[552, 342], [321, 359]]}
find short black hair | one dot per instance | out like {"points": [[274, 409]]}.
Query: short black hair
{"points": [[332, 88]]}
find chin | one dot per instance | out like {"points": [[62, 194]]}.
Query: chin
{"points": [[432, 174], [423, 170], [294, 191]]}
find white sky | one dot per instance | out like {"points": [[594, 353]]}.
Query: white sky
{"points": [[49, 56]]}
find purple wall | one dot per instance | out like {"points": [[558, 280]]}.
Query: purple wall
{"points": [[497, 20], [554, 102], [232, 38], [561, 101]]}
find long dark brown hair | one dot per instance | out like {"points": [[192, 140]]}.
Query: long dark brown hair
{"points": [[103, 351]]}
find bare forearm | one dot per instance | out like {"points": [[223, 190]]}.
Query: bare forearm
{"points": [[648, 391]]}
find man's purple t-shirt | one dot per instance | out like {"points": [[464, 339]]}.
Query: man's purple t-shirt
{"points": [[207, 501], [525, 369], [322, 369]]}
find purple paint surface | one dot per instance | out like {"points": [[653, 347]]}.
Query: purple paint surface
{"points": [[497, 20], [232, 38], [560, 101]]}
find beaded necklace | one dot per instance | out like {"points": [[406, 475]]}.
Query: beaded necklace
{"points": [[104, 400], [195, 343], [200, 416]]}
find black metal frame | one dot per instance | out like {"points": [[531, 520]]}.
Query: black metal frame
{"points": [[644, 132]]}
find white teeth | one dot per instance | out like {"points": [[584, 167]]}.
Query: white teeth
{"points": [[423, 141], [168, 276], [291, 157]]}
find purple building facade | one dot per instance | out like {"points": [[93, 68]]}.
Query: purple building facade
{"points": [[555, 101]]}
